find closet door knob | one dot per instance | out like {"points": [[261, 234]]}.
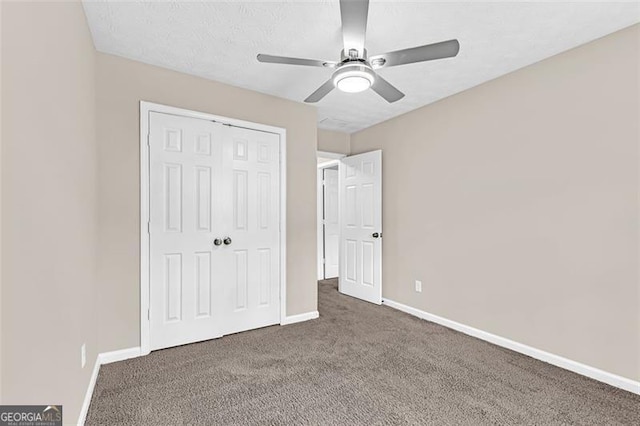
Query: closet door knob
{"points": [[375, 235], [227, 241], [217, 242]]}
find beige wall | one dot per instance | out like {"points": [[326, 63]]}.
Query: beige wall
{"points": [[121, 84], [516, 204], [1, 7], [49, 217], [331, 141], [61, 207]]}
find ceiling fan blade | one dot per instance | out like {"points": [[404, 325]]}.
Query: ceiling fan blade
{"points": [[385, 89], [295, 61], [321, 92], [354, 24], [429, 52]]}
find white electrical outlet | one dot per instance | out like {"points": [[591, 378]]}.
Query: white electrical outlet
{"points": [[83, 354], [419, 286]]}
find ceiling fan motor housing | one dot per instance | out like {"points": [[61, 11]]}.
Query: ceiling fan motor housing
{"points": [[353, 54]]}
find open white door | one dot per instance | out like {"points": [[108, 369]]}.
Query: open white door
{"points": [[361, 226]]}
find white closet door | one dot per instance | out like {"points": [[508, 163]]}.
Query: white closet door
{"points": [[251, 202], [361, 226], [212, 182], [331, 224], [185, 164]]}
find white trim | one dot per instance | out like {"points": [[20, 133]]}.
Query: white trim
{"points": [[283, 223], [145, 278], [121, 355], [300, 318], [145, 109], [319, 227], [101, 359], [577, 367], [332, 155], [87, 396], [328, 164], [320, 205]]}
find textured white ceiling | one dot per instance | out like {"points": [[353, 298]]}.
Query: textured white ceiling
{"points": [[220, 41]]}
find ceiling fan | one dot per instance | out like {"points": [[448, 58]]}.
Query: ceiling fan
{"points": [[355, 72]]}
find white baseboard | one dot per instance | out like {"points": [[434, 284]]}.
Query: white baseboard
{"points": [[300, 317], [101, 359], [121, 355], [577, 367], [87, 397]]}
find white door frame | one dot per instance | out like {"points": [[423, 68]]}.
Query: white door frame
{"points": [[145, 109], [335, 161]]}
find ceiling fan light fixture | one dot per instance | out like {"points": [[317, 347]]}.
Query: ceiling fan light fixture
{"points": [[355, 70], [353, 83], [353, 78]]}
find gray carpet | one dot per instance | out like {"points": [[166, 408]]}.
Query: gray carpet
{"points": [[357, 364]]}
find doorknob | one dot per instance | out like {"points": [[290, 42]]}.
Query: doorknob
{"points": [[375, 235], [217, 242], [227, 241]]}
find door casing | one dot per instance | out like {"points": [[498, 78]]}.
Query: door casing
{"points": [[331, 228], [145, 109], [334, 161]]}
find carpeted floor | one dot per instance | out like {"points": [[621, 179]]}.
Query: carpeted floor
{"points": [[357, 364]]}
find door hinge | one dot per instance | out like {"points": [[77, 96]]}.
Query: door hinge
{"points": [[324, 261], [149, 139], [149, 228], [149, 314]]}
